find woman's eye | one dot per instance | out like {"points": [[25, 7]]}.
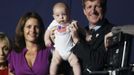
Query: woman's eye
{"points": [[5, 48], [37, 26], [29, 26]]}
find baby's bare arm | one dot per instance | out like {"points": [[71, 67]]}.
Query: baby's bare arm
{"points": [[47, 38]]}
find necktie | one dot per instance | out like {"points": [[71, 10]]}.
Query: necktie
{"points": [[92, 31], [93, 34]]}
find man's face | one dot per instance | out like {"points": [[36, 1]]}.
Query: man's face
{"points": [[93, 11]]}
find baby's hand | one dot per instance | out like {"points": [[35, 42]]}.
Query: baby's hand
{"points": [[88, 38], [48, 43], [52, 36], [74, 22]]}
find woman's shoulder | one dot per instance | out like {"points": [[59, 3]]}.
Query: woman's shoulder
{"points": [[48, 49], [13, 53], [44, 52]]}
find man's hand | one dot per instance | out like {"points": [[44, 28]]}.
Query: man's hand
{"points": [[74, 31], [106, 40]]}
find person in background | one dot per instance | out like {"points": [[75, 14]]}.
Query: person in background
{"points": [[29, 55], [4, 50], [126, 29], [92, 53], [63, 42]]}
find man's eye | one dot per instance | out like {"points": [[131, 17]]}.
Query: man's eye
{"points": [[98, 6], [89, 7]]}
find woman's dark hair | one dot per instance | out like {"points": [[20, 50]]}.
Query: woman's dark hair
{"points": [[19, 36]]}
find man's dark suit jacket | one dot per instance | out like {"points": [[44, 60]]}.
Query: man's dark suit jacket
{"points": [[92, 55]]}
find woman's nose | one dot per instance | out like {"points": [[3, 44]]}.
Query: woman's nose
{"points": [[33, 29], [1, 51]]}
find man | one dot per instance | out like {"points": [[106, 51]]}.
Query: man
{"points": [[92, 53]]}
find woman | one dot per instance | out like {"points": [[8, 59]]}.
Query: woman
{"points": [[4, 49], [30, 56]]}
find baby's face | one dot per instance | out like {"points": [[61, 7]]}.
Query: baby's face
{"points": [[3, 51], [60, 15]]}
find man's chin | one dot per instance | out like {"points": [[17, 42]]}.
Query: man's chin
{"points": [[93, 22]]}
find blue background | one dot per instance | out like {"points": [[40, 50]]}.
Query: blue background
{"points": [[119, 12]]}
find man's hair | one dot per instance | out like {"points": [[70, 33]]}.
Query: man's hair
{"points": [[103, 3]]}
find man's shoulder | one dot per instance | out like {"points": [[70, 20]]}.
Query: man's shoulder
{"points": [[86, 27], [107, 25]]}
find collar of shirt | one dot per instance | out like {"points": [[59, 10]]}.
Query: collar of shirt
{"points": [[95, 28]]}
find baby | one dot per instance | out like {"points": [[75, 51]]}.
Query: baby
{"points": [[63, 41]]}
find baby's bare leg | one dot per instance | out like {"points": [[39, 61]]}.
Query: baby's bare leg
{"points": [[56, 59], [74, 63]]}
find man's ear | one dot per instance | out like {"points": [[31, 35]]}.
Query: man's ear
{"points": [[84, 11], [53, 16]]}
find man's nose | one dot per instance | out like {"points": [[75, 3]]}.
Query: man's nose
{"points": [[93, 10]]}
